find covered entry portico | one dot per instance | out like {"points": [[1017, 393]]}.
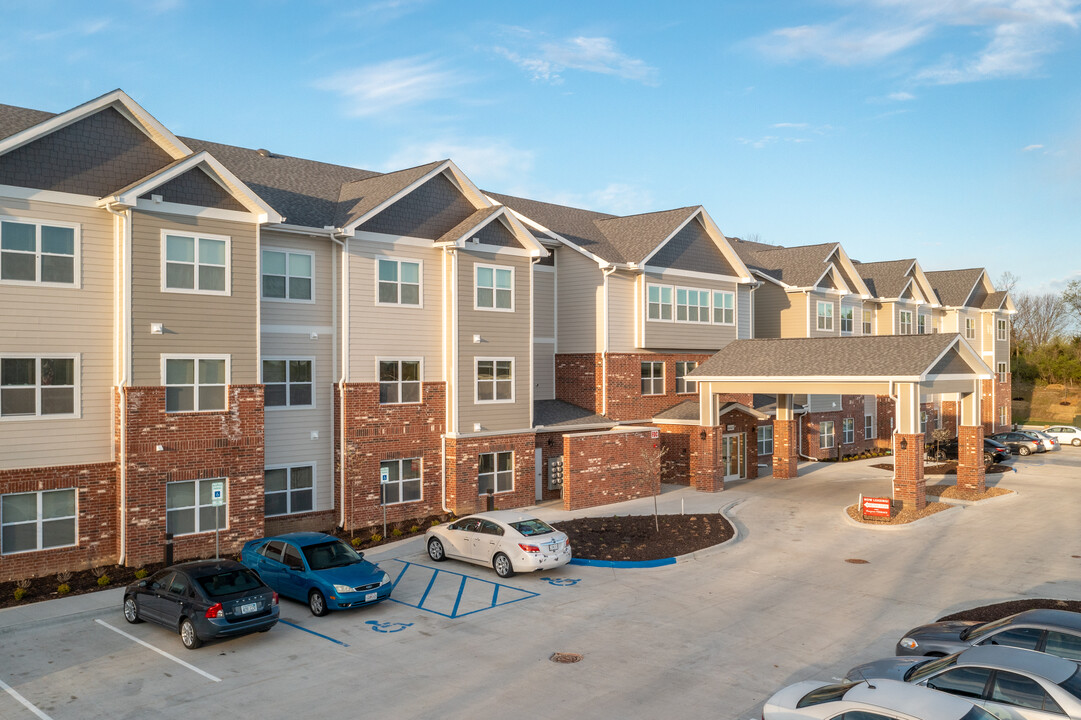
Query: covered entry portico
{"points": [[906, 368]]}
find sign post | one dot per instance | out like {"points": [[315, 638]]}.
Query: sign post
{"points": [[217, 499], [384, 478]]}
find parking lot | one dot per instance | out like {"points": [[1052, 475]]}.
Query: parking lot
{"points": [[713, 636]]}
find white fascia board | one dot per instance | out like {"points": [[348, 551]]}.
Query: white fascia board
{"points": [[462, 180], [520, 231], [979, 279], [691, 274], [744, 409], [350, 229], [689, 423], [197, 211], [967, 354], [840, 278], [723, 245], [805, 378], [551, 233], [657, 249], [850, 268], [924, 285], [50, 196], [773, 280]]}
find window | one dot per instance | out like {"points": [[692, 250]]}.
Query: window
{"points": [[683, 385], [188, 507], [1064, 645], [37, 520], [495, 471], [399, 381], [904, 322], [660, 302], [288, 383], [1024, 638], [1013, 689], [32, 252], [923, 422], [825, 435], [198, 264], [288, 490], [653, 378], [400, 480], [765, 440], [868, 321], [399, 283], [970, 328], [848, 431], [495, 380], [724, 308], [848, 316], [1003, 373], [1003, 415], [495, 287], [1002, 331], [869, 427], [38, 387], [963, 681], [921, 324], [692, 305], [287, 275], [825, 316], [195, 384]]}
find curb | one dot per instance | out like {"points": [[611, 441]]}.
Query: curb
{"points": [[922, 522], [985, 501]]}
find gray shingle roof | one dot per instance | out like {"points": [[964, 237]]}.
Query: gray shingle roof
{"points": [[16, 119], [994, 300], [362, 196], [687, 410], [954, 286], [557, 413], [796, 266], [458, 231], [636, 236], [885, 279]]}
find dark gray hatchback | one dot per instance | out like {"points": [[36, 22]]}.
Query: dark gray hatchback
{"points": [[203, 600]]}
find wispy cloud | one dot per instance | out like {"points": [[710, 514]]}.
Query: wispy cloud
{"points": [[617, 198], [901, 96], [839, 43], [546, 61], [758, 143], [382, 87], [85, 28], [384, 11], [789, 125], [1030, 148], [486, 161]]}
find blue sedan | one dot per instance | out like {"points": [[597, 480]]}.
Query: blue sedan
{"points": [[318, 569]]}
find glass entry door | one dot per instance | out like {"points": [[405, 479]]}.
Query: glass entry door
{"points": [[734, 456]]}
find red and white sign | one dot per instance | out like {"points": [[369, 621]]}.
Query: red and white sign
{"points": [[875, 506], [654, 434]]}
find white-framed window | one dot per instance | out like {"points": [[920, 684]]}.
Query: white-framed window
{"points": [[848, 318], [37, 521], [724, 307], [692, 305], [38, 252], [1003, 372], [869, 427], [399, 381], [848, 431], [868, 321], [496, 471], [495, 380], [288, 490], [923, 421], [195, 263], [287, 275], [288, 382], [825, 435], [398, 282], [653, 378], [189, 507], [659, 305], [1002, 330], [970, 329], [825, 316], [39, 387], [765, 440], [683, 385], [921, 324], [1003, 415], [400, 480], [904, 322], [494, 287], [194, 383]]}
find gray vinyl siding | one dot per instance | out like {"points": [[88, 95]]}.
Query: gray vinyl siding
{"points": [[544, 303], [693, 249], [579, 303], [824, 403], [794, 317], [544, 376], [1001, 347], [46, 321], [770, 301], [686, 335], [812, 310], [621, 291], [745, 311], [194, 323], [287, 312]]}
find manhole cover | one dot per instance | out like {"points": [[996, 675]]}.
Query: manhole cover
{"points": [[857, 561], [565, 657]]}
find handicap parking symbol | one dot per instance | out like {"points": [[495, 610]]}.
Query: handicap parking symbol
{"points": [[387, 627], [561, 582]]}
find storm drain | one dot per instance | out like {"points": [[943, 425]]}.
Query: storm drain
{"points": [[857, 561], [565, 658]]}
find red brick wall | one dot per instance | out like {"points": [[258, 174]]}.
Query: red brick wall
{"points": [[852, 406], [950, 410], [318, 521], [886, 415], [625, 399], [908, 482], [462, 495], [785, 448], [676, 466], [970, 470], [578, 380], [707, 475], [996, 395], [606, 467]]}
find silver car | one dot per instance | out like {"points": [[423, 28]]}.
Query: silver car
{"points": [[505, 540], [1065, 434], [875, 700], [1049, 442], [1010, 682], [1056, 632]]}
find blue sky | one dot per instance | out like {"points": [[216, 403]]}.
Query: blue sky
{"points": [[949, 131]]}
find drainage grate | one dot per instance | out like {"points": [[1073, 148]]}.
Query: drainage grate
{"points": [[566, 658], [857, 561]]}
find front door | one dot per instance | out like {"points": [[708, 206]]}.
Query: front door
{"points": [[734, 456]]}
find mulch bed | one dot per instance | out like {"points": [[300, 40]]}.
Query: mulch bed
{"points": [[948, 468], [635, 537], [956, 493], [81, 582], [986, 613], [898, 516]]}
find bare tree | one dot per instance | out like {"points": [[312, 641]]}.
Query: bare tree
{"points": [[1007, 281], [652, 462], [1040, 318], [1071, 298]]}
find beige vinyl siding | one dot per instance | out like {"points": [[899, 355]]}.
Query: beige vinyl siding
{"points": [[544, 302], [579, 303], [672, 335], [770, 301], [794, 317], [1001, 347], [319, 312], [745, 312], [194, 323], [44, 321], [885, 319], [502, 334], [621, 291], [870, 311], [544, 375], [812, 309]]}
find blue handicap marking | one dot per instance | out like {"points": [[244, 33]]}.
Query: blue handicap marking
{"points": [[448, 593], [561, 582], [387, 627]]}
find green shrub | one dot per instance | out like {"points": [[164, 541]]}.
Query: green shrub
{"points": [[20, 593], [376, 537], [103, 581], [434, 523], [63, 589], [356, 542], [414, 529], [396, 532], [141, 573]]}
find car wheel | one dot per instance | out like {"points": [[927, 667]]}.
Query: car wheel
{"points": [[1023, 450], [435, 550], [188, 636], [1076, 442], [502, 566], [988, 459], [317, 603], [131, 610]]}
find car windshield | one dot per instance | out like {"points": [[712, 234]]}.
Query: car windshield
{"points": [[978, 631], [826, 693], [229, 582], [1072, 684], [921, 670], [532, 527], [330, 554]]}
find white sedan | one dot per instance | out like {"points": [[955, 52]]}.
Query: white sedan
{"points": [[873, 700], [1065, 434], [505, 540]]}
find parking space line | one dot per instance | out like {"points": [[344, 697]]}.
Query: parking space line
{"points": [[436, 593], [25, 703], [457, 600], [159, 651], [325, 637]]}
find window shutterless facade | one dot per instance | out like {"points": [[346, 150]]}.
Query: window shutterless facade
{"points": [[494, 287], [398, 282], [1003, 372], [765, 440], [496, 471], [38, 387], [921, 324], [659, 306], [194, 384], [825, 316], [195, 263], [495, 380], [653, 378], [288, 490], [37, 521], [869, 427], [38, 253], [970, 329], [868, 321], [400, 480], [188, 507], [904, 322], [288, 382], [825, 435], [724, 307], [1002, 330], [399, 381], [848, 316], [683, 385], [692, 305], [287, 275], [848, 431]]}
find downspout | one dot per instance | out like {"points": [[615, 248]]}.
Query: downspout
{"points": [[122, 315], [604, 355], [450, 356], [532, 281], [344, 367]]}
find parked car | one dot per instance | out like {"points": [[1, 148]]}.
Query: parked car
{"points": [[1018, 442], [948, 450], [1049, 443], [203, 600], [1065, 434], [505, 540], [1000, 451], [319, 569], [1008, 681], [1056, 632], [878, 700]]}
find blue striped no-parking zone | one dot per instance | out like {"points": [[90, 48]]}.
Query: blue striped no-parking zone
{"points": [[448, 593]]}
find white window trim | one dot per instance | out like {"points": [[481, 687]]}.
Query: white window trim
{"points": [[664, 377], [901, 322], [77, 371], [263, 272], [420, 278], [420, 374], [661, 304], [820, 316], [921, 324], [228, 378], [1002, 371], [287, 406], [228, 264], [851, 310], [400, 480], [759, 440], [685, 380], [476, 288], [495, 473], [708, 307], [970, 328], [832, 435], [77, 267], [289, 466], [874, 430], [848, 431], [476, 381], [713, 308], [197, 506], [1002, 330], [39, 521]]}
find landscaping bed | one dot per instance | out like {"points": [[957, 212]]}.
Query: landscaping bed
{"points": [[986, 613], [78, 583], [636, 538], [898, 516], [956, 493]]}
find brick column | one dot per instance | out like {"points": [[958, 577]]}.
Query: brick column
{"points": [[785, 448], [970, 470], [706, 473], [908, 483]]}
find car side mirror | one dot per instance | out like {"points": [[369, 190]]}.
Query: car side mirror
{"points": [[143, 583]]}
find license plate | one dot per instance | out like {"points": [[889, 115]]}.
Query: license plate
{"points": [[249, 608], [370, 597]]}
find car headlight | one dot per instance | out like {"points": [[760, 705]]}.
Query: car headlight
{"points": [[908, 643], [343, 588], [385, 580]]}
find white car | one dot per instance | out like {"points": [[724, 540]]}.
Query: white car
{"points": [[505, 540], [1065, 434], [873, 700], [1049, 442]]}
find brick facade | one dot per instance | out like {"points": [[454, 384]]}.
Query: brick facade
{"points": [[579, 380], [676, 465], [607, 467], [551, 445], [852, 406], [909, 485], [625, 398], [950, 410], [462, 464], [970, 469], [785, 448]]}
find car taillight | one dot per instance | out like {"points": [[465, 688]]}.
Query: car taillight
{"points": [[275, 599], [529, 548], [215, 611]]}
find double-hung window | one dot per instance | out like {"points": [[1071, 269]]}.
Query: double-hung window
{"points": [[399, 381], [868, 321], [868, 427], [825, 316], [660, 302], [288, 383], [692, 305], [288, 490], [495, 471], [399, 282], [189, 507], [38, 387], [39, 253], [495, 287], [848, 316], [400, 480], [287, 275], [765, 440], [195, 384], [495, 380], [1002, 331], [1003, 373], [904, 320], [1003, 415], [970, 329], [653, 378], [683, 385], [923, 422], [195, 263], [37, 520], [921, 324], [825, 435], [724, 307], [848, 431]]}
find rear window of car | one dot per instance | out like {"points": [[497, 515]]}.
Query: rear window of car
{"points": [[532, 527], [1072, 684], [826, 693], [930, 667], [330, 554], [229, 582]]}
